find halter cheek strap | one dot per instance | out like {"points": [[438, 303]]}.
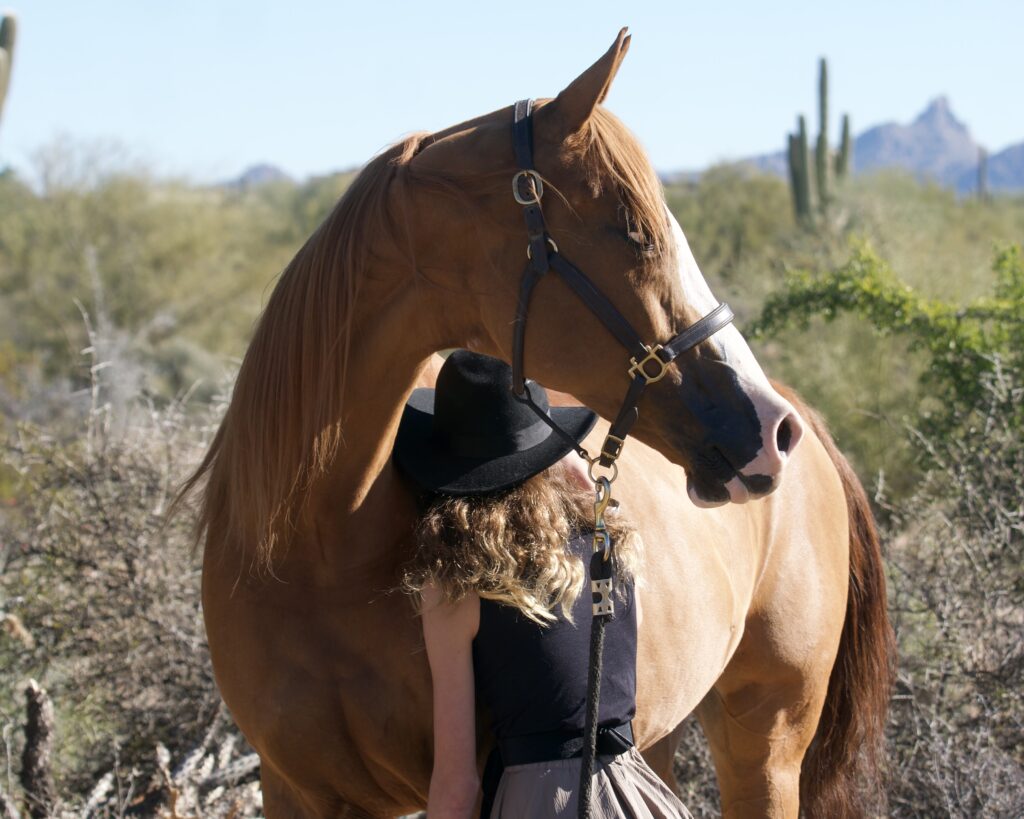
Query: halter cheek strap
{"points": [[648, 364]]}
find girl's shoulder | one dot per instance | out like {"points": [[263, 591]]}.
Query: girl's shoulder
{"points": [[446, 620]]}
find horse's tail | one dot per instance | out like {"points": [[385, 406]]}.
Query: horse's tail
{"points": [[840, 773]]}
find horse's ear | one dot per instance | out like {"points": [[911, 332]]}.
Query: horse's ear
{"points": [[576, 103]]}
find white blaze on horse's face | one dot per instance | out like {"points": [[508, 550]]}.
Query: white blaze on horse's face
{"points": [[781, 427]]}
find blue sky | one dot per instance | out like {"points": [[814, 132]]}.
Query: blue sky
{"points": [[205, 89]]}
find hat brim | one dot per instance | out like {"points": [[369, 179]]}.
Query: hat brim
{"points": [[419, 455]]}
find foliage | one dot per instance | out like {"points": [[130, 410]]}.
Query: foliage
{"points": [[179, 270], [737, 222], [960, 343]]}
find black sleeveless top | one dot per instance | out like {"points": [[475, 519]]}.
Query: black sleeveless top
{"points": [[533, 678]]}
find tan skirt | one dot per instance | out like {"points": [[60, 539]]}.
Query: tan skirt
{"points": [[624, 786]]}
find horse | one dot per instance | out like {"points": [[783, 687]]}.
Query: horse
{"points": [[764, 596]]}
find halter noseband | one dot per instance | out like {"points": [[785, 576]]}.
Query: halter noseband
{"points": [[648, 364]]}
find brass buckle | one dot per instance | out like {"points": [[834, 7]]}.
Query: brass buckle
{"points": [[639, 366], [551, 244], [617, 442], [536, 187]]}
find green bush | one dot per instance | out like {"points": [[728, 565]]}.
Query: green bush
{"points": [[180, 271], [961, 345]]}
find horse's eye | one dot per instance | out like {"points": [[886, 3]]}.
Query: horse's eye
{"points": [[639, 241]]}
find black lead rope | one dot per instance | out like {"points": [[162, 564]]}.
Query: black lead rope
{"points": [[589, 753], [602, 608]]}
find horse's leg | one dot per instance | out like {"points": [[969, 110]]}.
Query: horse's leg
{"points": [[762, 714], [280, 801]]}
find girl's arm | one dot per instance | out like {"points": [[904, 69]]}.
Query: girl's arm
{"points": [[448, 631]]}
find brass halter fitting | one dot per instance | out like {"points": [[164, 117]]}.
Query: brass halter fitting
{"points": [[652, 357], [593, 463], [601, 582], [535, 189], [551, 244], [603, 492], [612, 447]]}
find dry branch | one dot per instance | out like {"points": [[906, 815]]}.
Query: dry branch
{"points": [[36, 761]]}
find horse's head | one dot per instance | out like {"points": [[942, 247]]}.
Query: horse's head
{"points": [[714, 412]]}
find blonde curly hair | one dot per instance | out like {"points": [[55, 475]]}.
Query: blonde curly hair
{"points": [[512, 546]]}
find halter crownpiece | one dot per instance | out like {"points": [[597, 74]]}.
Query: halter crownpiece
{"points": [[647, 364]]}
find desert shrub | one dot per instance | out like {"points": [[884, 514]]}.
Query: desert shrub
{"points": [[740, 226], [957, 548], [100, 591]]}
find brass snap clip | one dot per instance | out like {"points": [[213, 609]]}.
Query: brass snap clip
{"points": [[601, 570], [602, 542]]}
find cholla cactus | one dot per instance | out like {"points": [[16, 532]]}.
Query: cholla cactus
{"points": [[8, 29]]}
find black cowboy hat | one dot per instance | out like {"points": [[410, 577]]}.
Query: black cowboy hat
{"points": [[471, 436]]}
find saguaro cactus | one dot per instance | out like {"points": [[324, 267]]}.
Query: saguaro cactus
{"points": [[982, 174], [821, 155], [827, 165], [799, 171], [8, 29], [845, 150]]}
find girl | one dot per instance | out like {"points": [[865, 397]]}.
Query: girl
{"points": [[499, 568]]}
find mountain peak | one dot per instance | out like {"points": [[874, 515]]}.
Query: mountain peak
{"points": [[940, 114], [256, 175]]}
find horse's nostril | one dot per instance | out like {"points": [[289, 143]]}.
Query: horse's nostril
{"points": [[784, 435]]}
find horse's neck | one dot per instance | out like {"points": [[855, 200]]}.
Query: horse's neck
{"points": [[360, 506]]}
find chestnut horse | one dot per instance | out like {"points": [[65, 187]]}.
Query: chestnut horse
{"points": [[765, 614]]}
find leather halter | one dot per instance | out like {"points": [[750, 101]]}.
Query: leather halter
{"points": [[648, 364]]}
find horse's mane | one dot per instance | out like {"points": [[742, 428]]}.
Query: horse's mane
{"points": [[282, 429]]}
